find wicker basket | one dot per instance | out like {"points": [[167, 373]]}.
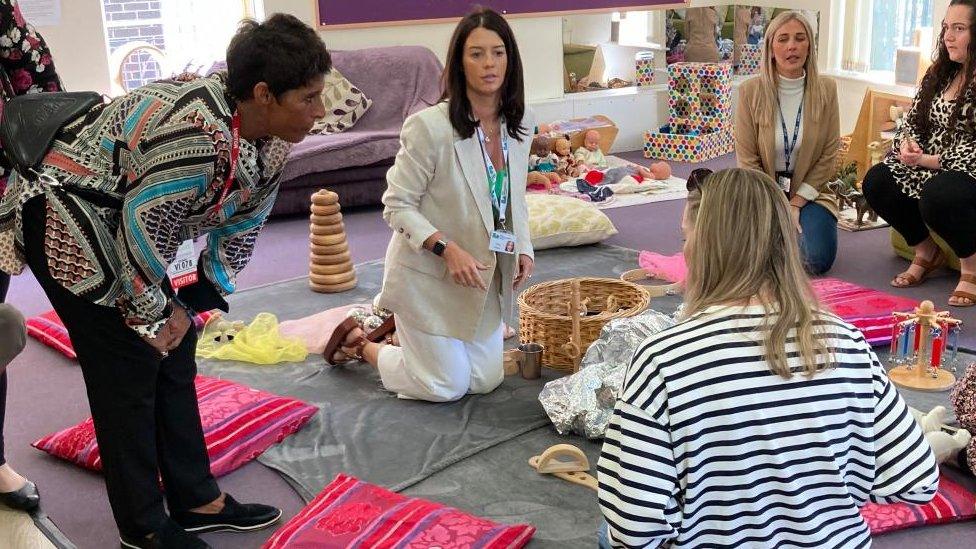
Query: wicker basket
{"points": [[544, 315]]}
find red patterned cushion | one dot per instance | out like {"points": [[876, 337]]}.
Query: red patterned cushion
{"points": [[239, 423], [352, 513], [868, 310], [49, 330], [951, 503]]}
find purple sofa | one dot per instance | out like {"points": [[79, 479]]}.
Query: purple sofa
{"points": [[400, 80]]}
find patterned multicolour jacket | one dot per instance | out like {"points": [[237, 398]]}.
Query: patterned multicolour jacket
{"points": [[162, 152]]}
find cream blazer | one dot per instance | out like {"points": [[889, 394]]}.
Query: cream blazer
{"points": [[438, 183], [816, 157]]}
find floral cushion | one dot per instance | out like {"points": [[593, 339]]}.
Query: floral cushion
{"points": [[239, 423], [951, 503], [49, 330], [345, 104], [352, 513], [556, 220]]}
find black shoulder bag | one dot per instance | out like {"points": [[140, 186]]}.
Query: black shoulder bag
{"points": [[31, 122]]}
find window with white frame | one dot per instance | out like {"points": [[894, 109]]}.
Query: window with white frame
{"points": [[875, 29], [152, 39]]}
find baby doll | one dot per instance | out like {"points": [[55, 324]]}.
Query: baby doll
{"points": [[566, 165], [543, 160], [590, 154]]}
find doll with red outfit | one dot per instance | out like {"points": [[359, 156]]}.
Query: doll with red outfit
{"points": [[597, 169]]}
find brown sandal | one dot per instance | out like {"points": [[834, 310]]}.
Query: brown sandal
{"points": [[959, 294], [379, 334], [928, 267], [338, 337]]}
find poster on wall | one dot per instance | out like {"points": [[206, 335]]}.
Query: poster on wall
{"points": [[365, 13], [41, 13]]}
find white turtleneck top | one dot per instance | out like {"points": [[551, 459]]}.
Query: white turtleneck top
{"points": [[790, 99]]}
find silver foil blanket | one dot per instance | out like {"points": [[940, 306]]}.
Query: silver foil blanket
{"points": [[583, 402]]}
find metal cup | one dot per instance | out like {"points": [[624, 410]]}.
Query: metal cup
{"points": [[529, 360]]}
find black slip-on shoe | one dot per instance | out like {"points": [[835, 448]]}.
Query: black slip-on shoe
{"points": [[27, 498], [169, 536], [234, 517]]}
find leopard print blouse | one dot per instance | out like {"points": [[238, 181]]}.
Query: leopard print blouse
{"points": [[957, 148]]}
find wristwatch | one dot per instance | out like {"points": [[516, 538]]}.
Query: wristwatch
{"points": [[439, 247]]}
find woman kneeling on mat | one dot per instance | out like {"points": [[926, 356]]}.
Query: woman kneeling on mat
{"points": [[456, 204], [928, 181], [758, 419], [787, 124]]}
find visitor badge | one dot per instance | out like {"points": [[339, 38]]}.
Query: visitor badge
{"points": [[502, 241], [183, 270]]}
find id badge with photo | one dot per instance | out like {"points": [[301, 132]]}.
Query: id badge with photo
{"points": [[502, 241], [183, 270], [784, 182]]}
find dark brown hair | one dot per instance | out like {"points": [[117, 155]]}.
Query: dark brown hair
{"points": [[455, 85], [938, 76]]}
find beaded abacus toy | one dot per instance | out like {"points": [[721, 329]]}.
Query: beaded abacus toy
{"points": [[919, 342]]}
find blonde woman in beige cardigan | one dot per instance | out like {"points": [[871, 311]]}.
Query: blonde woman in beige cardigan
{"points": [[787, 124]]}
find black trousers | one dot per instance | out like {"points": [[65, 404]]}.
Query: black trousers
{"points": [[947, 205], [4, 284], [147, 421]]}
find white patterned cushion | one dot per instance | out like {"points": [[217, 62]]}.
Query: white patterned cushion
{"points": [[565, 221], [345, 104]]}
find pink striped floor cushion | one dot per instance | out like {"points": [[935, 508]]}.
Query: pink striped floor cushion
{"points": [[239, 423], [951, 503], [49, 330], [352, 513], [868, 310]]}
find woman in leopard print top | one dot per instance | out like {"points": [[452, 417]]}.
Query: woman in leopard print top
{"points": [[928, 180]]}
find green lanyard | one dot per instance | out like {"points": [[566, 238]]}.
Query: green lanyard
{"points": [[497, 187]]}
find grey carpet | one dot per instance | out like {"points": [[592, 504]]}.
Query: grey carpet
{"points": [[362, 430], [472, 454]]}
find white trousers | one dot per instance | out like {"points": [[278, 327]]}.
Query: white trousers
{"points": [[442, 369]]}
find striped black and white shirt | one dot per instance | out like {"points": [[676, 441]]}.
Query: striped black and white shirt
{"points": [[708, 448]]}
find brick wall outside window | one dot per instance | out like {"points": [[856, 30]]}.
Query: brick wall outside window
{"points": [[140, 21]]}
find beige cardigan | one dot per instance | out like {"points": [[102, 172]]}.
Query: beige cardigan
{"points": [[438, 183], [817, 156]]}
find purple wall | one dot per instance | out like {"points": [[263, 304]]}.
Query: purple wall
{"points": [[345, 12]]}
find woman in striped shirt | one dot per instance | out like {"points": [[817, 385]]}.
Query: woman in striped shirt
{"points": [[759, 420]]}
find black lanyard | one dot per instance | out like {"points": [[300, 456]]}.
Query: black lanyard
{"points": [[790, 145]]}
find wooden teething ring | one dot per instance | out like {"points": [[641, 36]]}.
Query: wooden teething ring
{"points": [[331, 219], [320, 257], [324, 209], [332, 289], [332, 279], [323, 244], [317, 269], [658, 290], [328, 239], [332, 228]]}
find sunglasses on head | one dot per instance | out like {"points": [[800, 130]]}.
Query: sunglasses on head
{"points": [[697, 178]]}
